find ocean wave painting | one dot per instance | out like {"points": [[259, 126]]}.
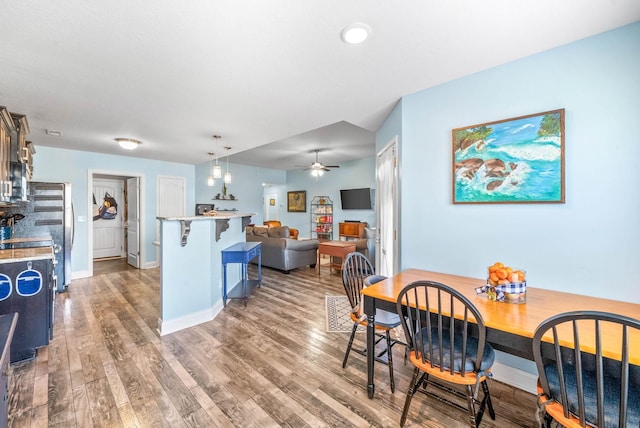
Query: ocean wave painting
{"points": [[519, 160]]}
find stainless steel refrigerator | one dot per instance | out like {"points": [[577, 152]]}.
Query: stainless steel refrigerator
{"points": [[48, 212]]}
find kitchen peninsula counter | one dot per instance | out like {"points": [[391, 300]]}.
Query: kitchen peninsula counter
{"points": [[191, 266], [25, 254]]}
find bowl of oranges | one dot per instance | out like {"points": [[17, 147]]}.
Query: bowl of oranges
{"points": [[506, 284]]}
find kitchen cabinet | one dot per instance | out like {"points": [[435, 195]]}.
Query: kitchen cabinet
{"points": [[27, 288], [20, 149], [322, 218], [7, 329], [7, 128]]}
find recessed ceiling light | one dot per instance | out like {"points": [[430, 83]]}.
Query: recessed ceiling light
{"points": [[355, 33], [128, 143], [54, 133]]}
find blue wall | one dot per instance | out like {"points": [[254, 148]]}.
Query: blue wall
{"points": [[351, 175], [59, 165], [589, 245], [246, 186]]}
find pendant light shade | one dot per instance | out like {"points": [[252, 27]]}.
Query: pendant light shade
{"points": [[210, 179], [217, 169], [227, 175]]}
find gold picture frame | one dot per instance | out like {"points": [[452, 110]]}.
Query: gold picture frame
{"points": [[297, 201]]}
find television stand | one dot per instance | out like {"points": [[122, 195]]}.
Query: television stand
{"points": [[351, 229]]}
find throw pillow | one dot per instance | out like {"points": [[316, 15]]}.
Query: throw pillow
{"points": [[260, 231], [249, 230], [278, 232]]}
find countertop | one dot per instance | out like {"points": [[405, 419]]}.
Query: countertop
{"points": [[220, 216], [26, 254]]}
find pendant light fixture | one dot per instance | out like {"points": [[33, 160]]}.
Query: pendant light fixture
{"points": [[210, 180], [227, 175], [217, 170]]}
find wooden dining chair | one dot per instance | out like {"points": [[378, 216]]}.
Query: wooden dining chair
{"points": [[578, 388], [358, 273], [447, 339]]}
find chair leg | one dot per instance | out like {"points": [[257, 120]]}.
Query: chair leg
{"points": [[412, 390], [390, 361], [471, 405], [353, 335], [487, 395]]}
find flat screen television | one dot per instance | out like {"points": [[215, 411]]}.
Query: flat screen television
{"points": [[356, 199]]}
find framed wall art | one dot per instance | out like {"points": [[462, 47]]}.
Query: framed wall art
{"points": [[518, 160], [297, 201]]}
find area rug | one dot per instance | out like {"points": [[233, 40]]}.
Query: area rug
{"points": [[337, 315]]}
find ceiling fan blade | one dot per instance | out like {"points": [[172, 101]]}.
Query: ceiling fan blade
{"points": [[332, 166]]}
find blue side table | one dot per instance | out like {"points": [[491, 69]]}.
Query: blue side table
{"points": [[242, 252]]}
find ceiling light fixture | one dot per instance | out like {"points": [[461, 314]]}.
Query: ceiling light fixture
{"points": [[128, 143], [217, 170], [210, 179], [355, 33], [54, 132], [227, 175]]}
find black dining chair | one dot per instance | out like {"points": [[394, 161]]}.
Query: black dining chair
{"points": [[357, 273], [577, 388], [447, 339]]}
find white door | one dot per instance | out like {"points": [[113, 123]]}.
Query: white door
{"points": [[387, 210], [133, 222], [171, 200], [271, 206], [108, 235]]}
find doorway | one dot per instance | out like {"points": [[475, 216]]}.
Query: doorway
{"points": [[271, 206], [387, 253], [116, 238]]}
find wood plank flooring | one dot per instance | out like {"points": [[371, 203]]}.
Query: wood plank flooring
{"points": [[270, 364]]}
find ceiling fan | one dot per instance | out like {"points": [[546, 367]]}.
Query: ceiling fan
{"points": [[317, 168]]}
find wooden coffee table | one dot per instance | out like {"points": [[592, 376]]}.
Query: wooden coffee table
{"points": [[336, 249]]}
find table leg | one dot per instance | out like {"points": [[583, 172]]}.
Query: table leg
{"points": [[318, 264], [245, 286], [370, 310], [224, 284]]}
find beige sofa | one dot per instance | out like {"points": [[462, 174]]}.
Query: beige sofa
{"points": [[281, 252]]}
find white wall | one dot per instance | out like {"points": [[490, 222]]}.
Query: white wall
{"points": [[589, 245]]}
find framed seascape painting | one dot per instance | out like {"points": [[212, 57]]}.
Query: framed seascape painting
{"points": [[297, 201], [518, 160]]}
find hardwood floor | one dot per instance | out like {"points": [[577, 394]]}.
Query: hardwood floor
{"points": [[270, 364]]}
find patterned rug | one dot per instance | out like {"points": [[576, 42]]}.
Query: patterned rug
{"points": [[337, 315]]}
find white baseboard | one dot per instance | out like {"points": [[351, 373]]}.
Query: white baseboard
{"points": [[515, 377], [150, 265], [80, 274], [170, 326]]}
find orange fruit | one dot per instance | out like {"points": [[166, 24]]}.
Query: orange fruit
{"points": [[501, 273], [493, 277], [521, 275], [503, 281], [498, 265]]}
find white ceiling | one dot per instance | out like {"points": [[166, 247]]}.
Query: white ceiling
{"points": [[258, 72]]}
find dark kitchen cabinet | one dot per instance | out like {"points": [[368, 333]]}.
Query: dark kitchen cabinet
{"points": [[26, 288], [7, 329], [7, 128]]}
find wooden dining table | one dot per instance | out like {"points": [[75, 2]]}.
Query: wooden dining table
{"points": [[510, 326]]}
